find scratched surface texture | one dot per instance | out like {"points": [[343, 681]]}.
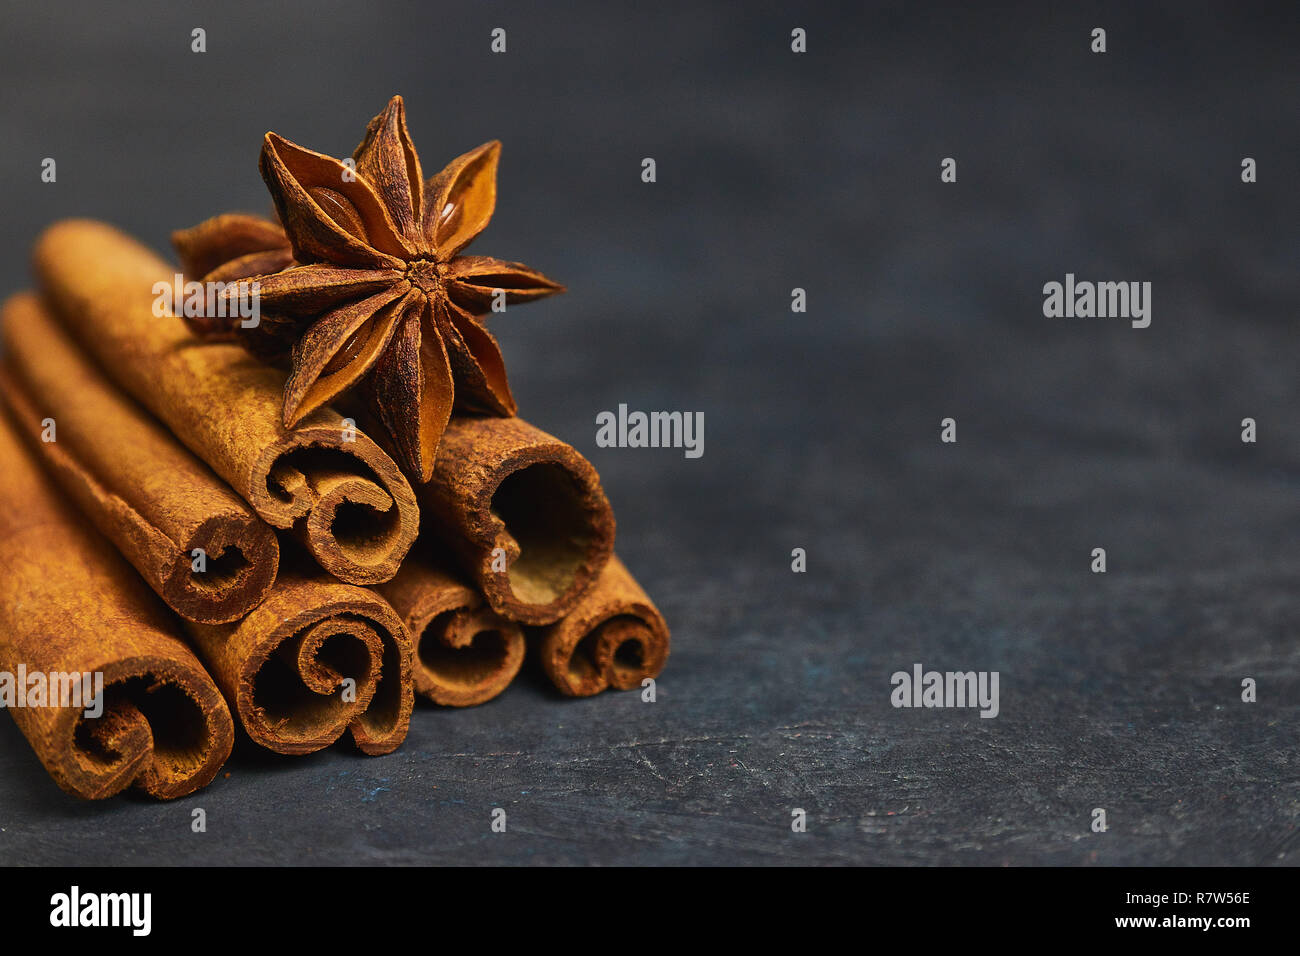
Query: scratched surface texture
{"points": [[1118, 691]]}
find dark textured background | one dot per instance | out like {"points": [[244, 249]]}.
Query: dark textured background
{"points": [[821, 171]]}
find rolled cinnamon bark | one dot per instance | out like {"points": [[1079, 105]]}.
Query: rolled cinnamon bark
{"points": [[315, 659], [143, 490], [70, 606], [465, 653], [500, 483], [343, 496], [615, 638]]}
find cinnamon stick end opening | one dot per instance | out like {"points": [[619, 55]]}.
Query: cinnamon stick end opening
{"points": [[163, 729], [465, 658], [240, 560], [557, 532]]}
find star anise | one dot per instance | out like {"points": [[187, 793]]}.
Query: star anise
{"points": [[365, 282]]}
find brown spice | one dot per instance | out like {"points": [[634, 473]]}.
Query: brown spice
{"points": [[380, 290], [615, 638], [523, 513], [229, 247], [344, 499], [143, 490], [465, 653], [71, 605], [284, 667]]}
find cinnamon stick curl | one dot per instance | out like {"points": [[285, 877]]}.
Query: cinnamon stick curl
{"points": [[142, 489], [615, 637], [316, 659], [523, 513], [465, 653], [71, 606], [344, 498]]}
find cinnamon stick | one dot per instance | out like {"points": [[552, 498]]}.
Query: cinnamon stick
{"points": [[340, 493], [465, 653], [615, 637], [71, 606], [523, 513], [144, 491], [315, 659]]}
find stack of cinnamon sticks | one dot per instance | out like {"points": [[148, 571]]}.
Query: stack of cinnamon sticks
{"points": [[161, 527]]}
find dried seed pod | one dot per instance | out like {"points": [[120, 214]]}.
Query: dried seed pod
{"points": [[614, 638], [523, 513], [374, 288], [465, 653]]}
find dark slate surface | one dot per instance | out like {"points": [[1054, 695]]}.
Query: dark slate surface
{"points": [[821, 171]]}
